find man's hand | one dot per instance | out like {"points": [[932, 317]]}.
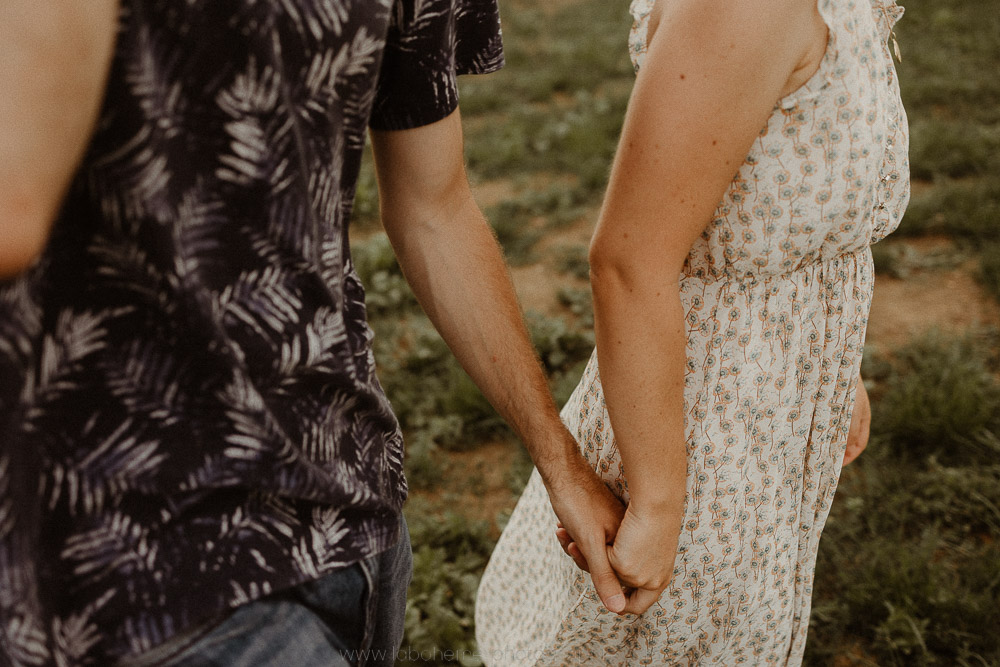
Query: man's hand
{"points": [[589, 516], [861, 421]]}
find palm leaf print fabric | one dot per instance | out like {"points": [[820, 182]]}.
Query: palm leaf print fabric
{"points": [[189, 412]]}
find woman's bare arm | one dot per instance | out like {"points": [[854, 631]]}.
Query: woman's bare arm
{"points": [[713, 72]]}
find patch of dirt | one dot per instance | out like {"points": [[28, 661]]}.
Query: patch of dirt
{"points": [[489, 193], [852, 657], [926, 244], [537, 286], [359, 232], [481, 475], [920, 186], [948, 300], [575, 233]]}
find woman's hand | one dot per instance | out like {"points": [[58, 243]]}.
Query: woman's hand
{"points": [[643, 555], [861, 421]]}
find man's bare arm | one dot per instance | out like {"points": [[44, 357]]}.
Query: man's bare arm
{"points": [[452, 261], [52, 74]]}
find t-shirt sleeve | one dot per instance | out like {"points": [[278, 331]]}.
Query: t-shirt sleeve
{"points": [[431, 42]]}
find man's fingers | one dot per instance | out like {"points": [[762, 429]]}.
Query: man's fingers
{"points": [[564, 539], [581, 562], [640, 600], [571, 548], [574, 551], [604, 578]]}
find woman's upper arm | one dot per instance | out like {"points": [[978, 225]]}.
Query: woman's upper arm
{"points": [[712, 74]]}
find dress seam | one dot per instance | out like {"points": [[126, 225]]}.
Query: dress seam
{"points": [[753, 278]]}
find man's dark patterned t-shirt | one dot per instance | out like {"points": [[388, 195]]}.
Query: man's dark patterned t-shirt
{"points": [[189, 413]]}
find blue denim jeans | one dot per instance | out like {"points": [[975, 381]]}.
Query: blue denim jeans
{"points": [[352, 617]]}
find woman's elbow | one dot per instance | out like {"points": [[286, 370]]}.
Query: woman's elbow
{"points": [[619, 270], [599, 260]]}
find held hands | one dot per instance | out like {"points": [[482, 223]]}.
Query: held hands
{"points": [[641, 555], [588, 511]]}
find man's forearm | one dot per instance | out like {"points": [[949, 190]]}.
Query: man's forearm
{"points": [[52, 76], [457, 272], [453, 263]]}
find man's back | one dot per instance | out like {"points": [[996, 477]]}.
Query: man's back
{"points": [[186, 373]]}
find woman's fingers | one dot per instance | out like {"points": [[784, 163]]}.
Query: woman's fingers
{"points": [[860, 428]]}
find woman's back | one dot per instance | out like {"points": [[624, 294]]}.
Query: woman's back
{"points": [[829, 173]]}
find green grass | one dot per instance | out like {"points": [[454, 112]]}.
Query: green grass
{"points": [[941, 399], [908, 571], [950, 54], [554, 112], [578, 140], [909, 567], [952, 96], [953, 148], [573, 260], [967, 209], [552, 50], [449, 554]]}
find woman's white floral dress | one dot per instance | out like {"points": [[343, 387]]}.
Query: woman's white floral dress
{"points": [[777, 292]]}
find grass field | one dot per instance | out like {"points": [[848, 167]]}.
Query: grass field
{"points": [[909, 565]]}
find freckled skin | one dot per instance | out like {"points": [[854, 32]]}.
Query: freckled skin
{"points": [[642, 337], [663, 189]]}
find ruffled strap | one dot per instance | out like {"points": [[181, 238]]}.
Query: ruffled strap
{"points": [[637, 38], [822, 77], [887, 12]]}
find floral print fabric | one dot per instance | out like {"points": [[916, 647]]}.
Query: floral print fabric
{"points": [[776, 291]]}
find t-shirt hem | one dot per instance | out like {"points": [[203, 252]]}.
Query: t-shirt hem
{"points": [[380, 539]]}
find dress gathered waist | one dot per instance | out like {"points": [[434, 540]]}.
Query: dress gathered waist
{"points": [[750, 278]]}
